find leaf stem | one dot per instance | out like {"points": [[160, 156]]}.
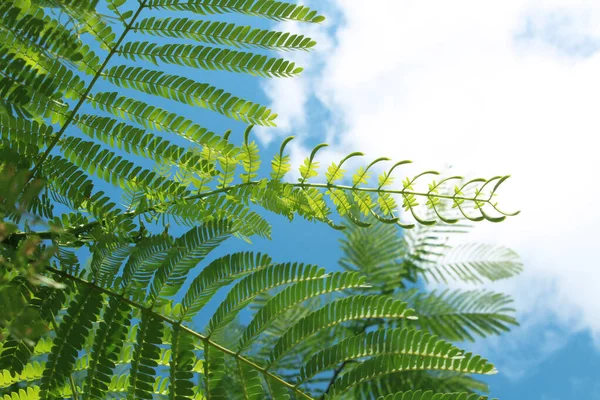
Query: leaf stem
{"points": [[73, 388]]}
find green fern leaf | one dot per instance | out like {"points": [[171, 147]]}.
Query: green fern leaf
{"points": [[14, 357], [377, 252], [108, 341], [29, 375], [294, 295], [249, 158], [117, 170], [376, 343], [219, 273], [472, 262], [442, 382], [429, 395], [211, 59], [258, 282], [42, 32], [251, 383], [214, 374], [107, 258], [187, 252], [216, 32], [189, 92], [31, 393], [387, 364], [157, 119], [345, 309], [181, 366], [277, 390], [145, 259], [144, 362], [71, 335], [281, 162], [459, 315], [142, 143], [68, 180], [277, 10]]}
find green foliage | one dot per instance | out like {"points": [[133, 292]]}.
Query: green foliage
{"points": [[458, 315], [124, 322], [210, 58], [420, 395], [393, 263]]}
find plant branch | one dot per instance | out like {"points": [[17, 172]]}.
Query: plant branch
{"points": [[339, 369], [85, 95], [86, 227], [336, 373], [172, 322]]}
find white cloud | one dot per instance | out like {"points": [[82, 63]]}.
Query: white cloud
{"points": [[509, 87], [293, 95]]}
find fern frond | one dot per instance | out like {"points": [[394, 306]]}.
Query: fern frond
{"points": [[460, 315], [245, 223], [181, 366], [107, 258], [472, 262], [42, 32], [14, 357], [229, 34], [443, 382], [116, 170], [147, 352], [219, 273], [188, 91], [346, 309], [116, 326], [295, 294], [25, 131], [20, 84], [307, 199], [84, 6], [251, 383], [68, 180], [429, 395], [260, 281], [157, 119], [214, 373], [145, 259], [108, 342], [31, 393], [387, 364], [211, 59], [277, 10], [277, 390], [377, 343], [377, 252], [70, 338], [29, 374], [22, 320], [100, 30], [50, 77], [249, 158], [186, 253], [142, 143], [281, 162]]}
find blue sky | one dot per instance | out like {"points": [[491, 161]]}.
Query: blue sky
{"points": [[487, 89]]}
